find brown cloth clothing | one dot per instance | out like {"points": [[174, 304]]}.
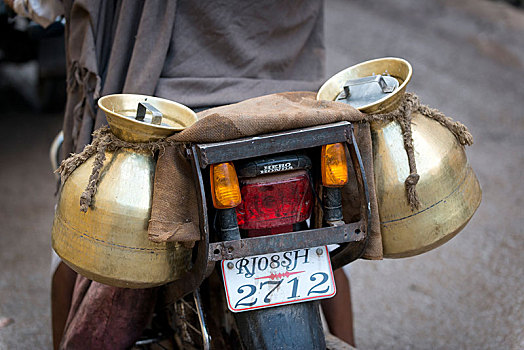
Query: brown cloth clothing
{"points": [[199, 53], [225, 51], [174, 213], [105, 317]]}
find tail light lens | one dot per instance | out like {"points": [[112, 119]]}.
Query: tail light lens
{"points": [[274, 200]]}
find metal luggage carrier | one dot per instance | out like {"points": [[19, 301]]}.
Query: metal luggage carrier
{"points": [[352, 237]]}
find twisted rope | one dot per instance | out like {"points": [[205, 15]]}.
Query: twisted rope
{"points": [[103, 140], [403, 115]]}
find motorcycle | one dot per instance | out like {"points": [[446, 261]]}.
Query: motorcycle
{"points": [[269, 205]]}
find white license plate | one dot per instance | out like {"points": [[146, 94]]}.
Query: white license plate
{"points": [[276, 279]]}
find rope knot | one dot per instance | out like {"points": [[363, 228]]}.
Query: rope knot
{"points": [[411, 183], [412, 180], [85, 201], [403, 116]]}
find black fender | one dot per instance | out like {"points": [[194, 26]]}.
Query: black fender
{"points": [[294, 326]]}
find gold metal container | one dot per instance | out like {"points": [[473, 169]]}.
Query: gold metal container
{"points": [[109, 243], [448, 188]]}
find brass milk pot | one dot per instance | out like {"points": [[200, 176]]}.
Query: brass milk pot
{"points": [[109, 242], [448, 189]]}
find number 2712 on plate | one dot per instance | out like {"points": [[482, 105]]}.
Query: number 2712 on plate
{"points": [[269, 280]]}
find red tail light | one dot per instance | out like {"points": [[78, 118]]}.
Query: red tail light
{"points": [[274, 200]]}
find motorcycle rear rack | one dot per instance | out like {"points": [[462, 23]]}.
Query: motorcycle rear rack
{"points": [[352, 237]]}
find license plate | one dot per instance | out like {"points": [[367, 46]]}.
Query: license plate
{"points": [[269, 280]]}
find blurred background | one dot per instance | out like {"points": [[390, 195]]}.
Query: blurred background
{"points": [[468, 60]]}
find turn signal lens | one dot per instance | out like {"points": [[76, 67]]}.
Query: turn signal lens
{"points": [[334, 165], [224, 186]]}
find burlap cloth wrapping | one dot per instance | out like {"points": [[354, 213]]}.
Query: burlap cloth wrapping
{"points": [[174, 214]]}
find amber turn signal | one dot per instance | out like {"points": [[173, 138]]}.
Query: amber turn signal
{"points": [[224, 186], [334, 165]]}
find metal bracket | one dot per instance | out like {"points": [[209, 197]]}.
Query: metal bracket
{"points": [[379, 79], [348, 252], [352, 237], [141, 113], [202, 266], [273, 143], [228, 250]]}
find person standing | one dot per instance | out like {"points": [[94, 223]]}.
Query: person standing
{"points": [[200, 54]]}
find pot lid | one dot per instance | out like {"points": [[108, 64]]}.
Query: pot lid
{"points": [[374, 86], [141, 118]]}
